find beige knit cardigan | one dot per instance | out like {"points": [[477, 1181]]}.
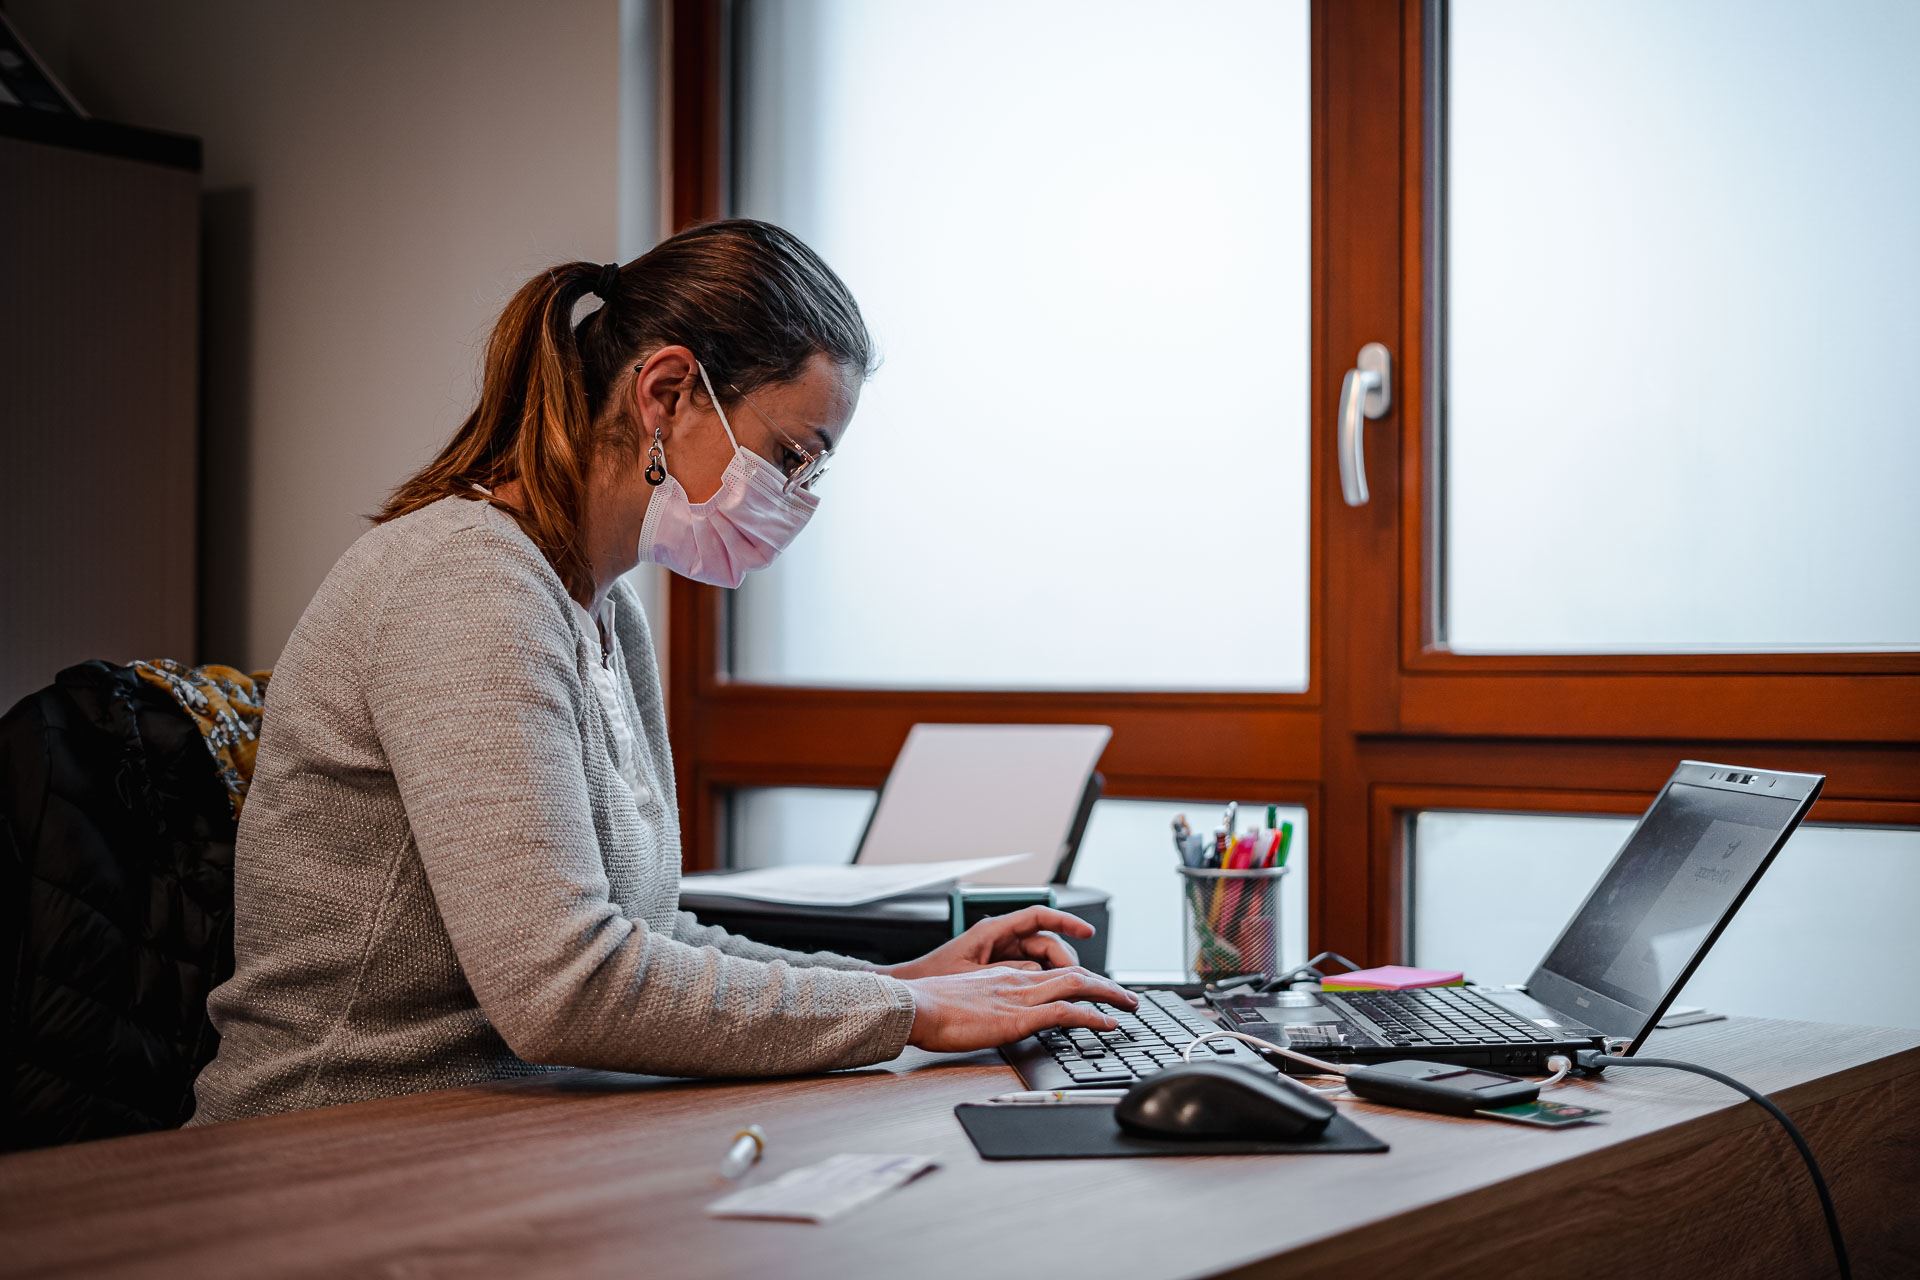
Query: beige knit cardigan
{"points": [[441, 876]]}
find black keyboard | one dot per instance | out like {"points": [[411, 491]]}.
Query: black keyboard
{"points": [[1446, 1016], [1145, 1042]]}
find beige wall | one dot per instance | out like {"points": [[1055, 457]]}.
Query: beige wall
{"points": [[380, 177]]}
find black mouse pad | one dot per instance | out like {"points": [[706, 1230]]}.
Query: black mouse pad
{"points": [[1086, 1131]]}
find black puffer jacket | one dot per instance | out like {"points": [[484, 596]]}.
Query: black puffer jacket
{"points": [[116, 847]]}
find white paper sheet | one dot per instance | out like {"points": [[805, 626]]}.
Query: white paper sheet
{"points": [[846, 886], [822, 1191]]}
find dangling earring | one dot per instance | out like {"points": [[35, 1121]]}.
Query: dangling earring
{"points": [[656, 461]]}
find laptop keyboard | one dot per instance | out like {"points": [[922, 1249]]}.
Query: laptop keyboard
{"points": [[1444, 1016], [1145, 1042]]}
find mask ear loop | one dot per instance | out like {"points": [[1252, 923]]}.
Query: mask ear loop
{"points": [[725, 426], [656, 472]]}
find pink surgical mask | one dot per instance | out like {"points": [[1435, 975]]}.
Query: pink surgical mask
{"points": [[743, 527]]}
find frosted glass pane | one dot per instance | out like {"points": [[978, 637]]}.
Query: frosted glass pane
{"points": [[1681, 257], [1127, 850], [1491, 892], [1079, 233], [796, 826]]}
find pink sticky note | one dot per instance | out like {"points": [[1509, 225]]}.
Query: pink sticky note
{"points": [[1393, 977]]}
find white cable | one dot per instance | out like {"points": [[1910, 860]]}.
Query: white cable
{"points": [[1561, 1064]]}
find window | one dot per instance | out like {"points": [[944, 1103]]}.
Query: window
{"points": [[1835, 901], [1663, 274], [797, 826], [1501, 627], [1083, 464], [1126, 850]]}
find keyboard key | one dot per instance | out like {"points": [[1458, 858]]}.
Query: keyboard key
{"points": [[1143, 1043]]}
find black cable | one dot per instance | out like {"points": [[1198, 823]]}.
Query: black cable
{"points": [[1591, 1058], [1310, 971]]}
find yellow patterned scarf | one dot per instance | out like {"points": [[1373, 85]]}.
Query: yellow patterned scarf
{"points": [[225, 705]]}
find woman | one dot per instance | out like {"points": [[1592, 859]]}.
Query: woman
{"points": [[460, 857]]}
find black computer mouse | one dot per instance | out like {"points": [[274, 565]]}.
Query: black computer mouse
{"points": [[1215, 1100]]}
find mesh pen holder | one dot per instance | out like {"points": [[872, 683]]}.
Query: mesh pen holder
{"points": [[1233, 920]]}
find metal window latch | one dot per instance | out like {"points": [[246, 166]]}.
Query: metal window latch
{"points": [[1367, 389]]}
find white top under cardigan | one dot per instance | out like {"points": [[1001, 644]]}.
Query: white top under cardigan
{"points": [[608, 678]]}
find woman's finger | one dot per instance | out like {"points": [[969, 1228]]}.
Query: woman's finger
{"points": [[1059, 984], [1063, 1013], [1075, 983], [1016, 964], [1049, 950], [1033, 919]]}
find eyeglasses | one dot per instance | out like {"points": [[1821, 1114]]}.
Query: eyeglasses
{"points": [[801, 465]]}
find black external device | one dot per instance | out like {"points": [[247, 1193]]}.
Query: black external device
{"points": [[1439, 1086]]}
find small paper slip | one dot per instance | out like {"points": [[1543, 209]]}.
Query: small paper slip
{"points": [[1393, 977], [823, 1191], [845, 886]]}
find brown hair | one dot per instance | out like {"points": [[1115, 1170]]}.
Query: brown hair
{"points": [[750, 300]]}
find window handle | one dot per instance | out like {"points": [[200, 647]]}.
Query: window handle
{"points": [[1367, 389]]}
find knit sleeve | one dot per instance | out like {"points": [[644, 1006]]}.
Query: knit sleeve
{"points": [[688, 929], [476, 694]]}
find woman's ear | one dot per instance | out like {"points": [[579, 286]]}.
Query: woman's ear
{"points": [[663, 391]]}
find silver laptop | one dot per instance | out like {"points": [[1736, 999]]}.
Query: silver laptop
{"points": [[1610, 975]]}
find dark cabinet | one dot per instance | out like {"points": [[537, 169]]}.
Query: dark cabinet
{"points": [[99, 372]]}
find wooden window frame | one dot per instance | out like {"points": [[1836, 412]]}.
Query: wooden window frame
{"points": [[1409, 724], [1839, 697], [731, 733], [1390, 721]]}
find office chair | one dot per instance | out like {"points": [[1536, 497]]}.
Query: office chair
{"points": [[116, 848]]}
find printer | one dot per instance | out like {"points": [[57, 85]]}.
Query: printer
{"points": [[955, 791]]}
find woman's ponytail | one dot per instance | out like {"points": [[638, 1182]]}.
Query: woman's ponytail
{"points": [[532, 424]]}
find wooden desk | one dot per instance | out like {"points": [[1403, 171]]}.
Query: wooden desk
{"points": [[589, 1174]]}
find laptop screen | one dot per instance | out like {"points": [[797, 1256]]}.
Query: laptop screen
{"points": [[1687, 864]]}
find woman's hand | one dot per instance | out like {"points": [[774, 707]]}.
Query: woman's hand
{"points": [[1026, 939], [985, 1008]]}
